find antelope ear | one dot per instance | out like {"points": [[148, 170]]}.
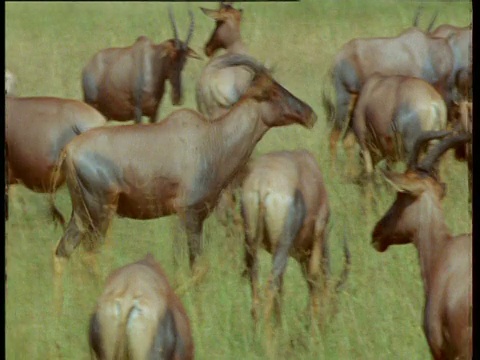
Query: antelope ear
{"points": [[193, 54], [406, 183], [214, 14]]}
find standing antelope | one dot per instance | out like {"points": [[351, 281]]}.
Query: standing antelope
{"points": [[412, 53], [138, 316], [218, 87], [417, 217], [126, 83], [285, 209], [390, 114], [37, 129], [185, 162], [460, 40]]}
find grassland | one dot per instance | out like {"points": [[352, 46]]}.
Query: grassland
{"points": [[379, 311]]}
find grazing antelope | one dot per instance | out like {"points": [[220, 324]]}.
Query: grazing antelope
{"points": [[417, 217], [10, 82], [126, 83], [390, 114], [138, 316], [412, 53], [218, 88], [186, 162], [285, 209], [37, 129]]}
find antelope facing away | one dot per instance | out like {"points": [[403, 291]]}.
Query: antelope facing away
{"points": [[186, 162], [126, 83], [412, 53], [390, 114], [285, 209], [138, 316], [417, 217], [218, 88], [37, 129]]}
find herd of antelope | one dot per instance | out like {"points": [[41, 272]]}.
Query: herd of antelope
{"points": [[397, 95]]}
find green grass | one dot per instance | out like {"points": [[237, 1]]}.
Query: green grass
{"points": [[380, 310]]}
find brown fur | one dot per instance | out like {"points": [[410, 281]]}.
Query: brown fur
{"points": [[131, 318], [285, 209], [408, 54], [126, 83], [460, 40], [186, 162], [417, 217], [37, 129], [219, 88], [391, 112]]}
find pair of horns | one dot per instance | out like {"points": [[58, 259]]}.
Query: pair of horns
{"points": [[436, 152], [417, 15], [175, 31]]}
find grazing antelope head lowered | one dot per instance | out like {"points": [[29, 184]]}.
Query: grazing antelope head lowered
{"points": [[417, 217]]}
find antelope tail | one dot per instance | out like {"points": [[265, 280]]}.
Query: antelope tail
{"points": [[328, 107], [56, 174], [121, 342]]}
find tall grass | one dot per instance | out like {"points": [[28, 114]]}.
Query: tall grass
{"points": [[379, 312]]}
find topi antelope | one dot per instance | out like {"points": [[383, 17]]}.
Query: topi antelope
{"points": [[412, 53], [285, 209], [390, 114], [138, 316], [186, 162], [126, 83], [218, 87], [37, 129], [417, 217]]}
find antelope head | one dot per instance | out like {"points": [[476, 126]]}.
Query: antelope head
{"points": [[227, 30], [418, 190], [178, 52]]}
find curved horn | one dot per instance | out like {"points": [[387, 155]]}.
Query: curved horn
{"points": [[174, 25], [190, 30], [441, 148], [422, 139], [417, 15], [432, 21], [242, 60]]}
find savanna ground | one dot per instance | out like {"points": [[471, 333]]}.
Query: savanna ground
{"points": [[380, 308]]}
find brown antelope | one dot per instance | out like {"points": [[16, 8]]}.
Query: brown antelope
{"points": [[285, 209], [460, 40], [390, 114], [185, 162], [417, 217], [218, 87], [126, 83], [138, 316], [37, 129], [10, 82], [463, 115], [412, 53]]}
